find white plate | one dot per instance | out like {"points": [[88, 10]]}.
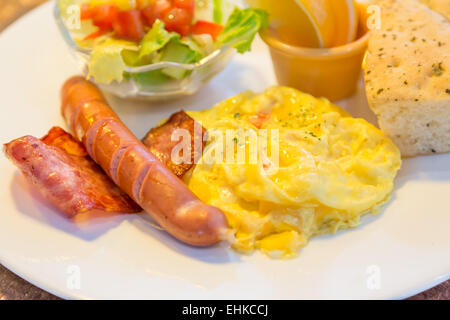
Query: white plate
{"points": [[402, 251]]}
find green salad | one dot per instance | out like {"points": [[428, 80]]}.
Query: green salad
{"points": [[124, 33]]}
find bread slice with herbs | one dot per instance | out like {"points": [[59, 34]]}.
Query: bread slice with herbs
{"points": [[441, 6], [407, 76]]}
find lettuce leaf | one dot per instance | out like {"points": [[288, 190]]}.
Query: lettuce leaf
{"points": [[178, 51], [241, 28], [149, 78], [106, 63], [156, 39], [109, 59], [161, 45]]}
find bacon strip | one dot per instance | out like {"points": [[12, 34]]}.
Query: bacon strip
{"points": [[58, 165], [159, 141], [57, 137]]}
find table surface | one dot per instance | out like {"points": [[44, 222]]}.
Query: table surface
{"points": [[13, 287]]}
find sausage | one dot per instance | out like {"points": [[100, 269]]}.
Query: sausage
{"points": [[136, 170], [84, 95]]}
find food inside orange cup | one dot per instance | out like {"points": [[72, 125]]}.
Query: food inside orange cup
{"points": [[332, 73], [312, 23]]}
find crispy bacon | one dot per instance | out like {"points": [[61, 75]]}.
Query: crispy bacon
{"points": [[159, 141], [57, 137], [60, 168]]}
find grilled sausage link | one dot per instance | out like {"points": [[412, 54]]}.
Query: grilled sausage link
{"points": [[137, 171]]}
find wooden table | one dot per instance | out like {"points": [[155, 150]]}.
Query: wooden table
{"points": [[13, 287]]}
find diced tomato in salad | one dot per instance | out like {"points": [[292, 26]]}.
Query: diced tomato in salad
{"points": [[95, 34], [178, 20], [104, 16], [188, 5], [129, 25], [156, 11], [87, 12], [206, 27], [177, 15]]}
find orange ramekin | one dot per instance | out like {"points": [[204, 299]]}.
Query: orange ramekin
{"points": [[332, 73]]}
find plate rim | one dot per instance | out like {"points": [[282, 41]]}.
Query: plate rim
{"points": [[15, 268]]}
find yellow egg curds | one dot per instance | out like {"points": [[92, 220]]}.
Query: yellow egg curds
{"points": [[332, 169]]}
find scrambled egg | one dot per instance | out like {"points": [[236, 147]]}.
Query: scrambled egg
{"points": [[332, 169]]}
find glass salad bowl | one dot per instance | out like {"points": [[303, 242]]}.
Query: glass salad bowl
{"points": [[149, 87]]}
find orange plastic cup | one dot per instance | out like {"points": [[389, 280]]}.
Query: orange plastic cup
{"points": [[332, 73]]}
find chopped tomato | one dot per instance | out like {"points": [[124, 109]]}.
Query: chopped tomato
{"points": [[260, 119], [105, 16], [96, 34], [178, 20], [177, 16], [87, 12], [188, 5], [129, 25], [202, 27], [206, 27], [147, 14], [162, 6], [156, 11]]}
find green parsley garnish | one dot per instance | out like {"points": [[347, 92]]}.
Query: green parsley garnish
{"points": [[438, 69]]}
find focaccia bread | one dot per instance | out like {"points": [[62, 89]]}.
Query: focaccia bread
{"points": [[441, 6], [407, 75]]}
